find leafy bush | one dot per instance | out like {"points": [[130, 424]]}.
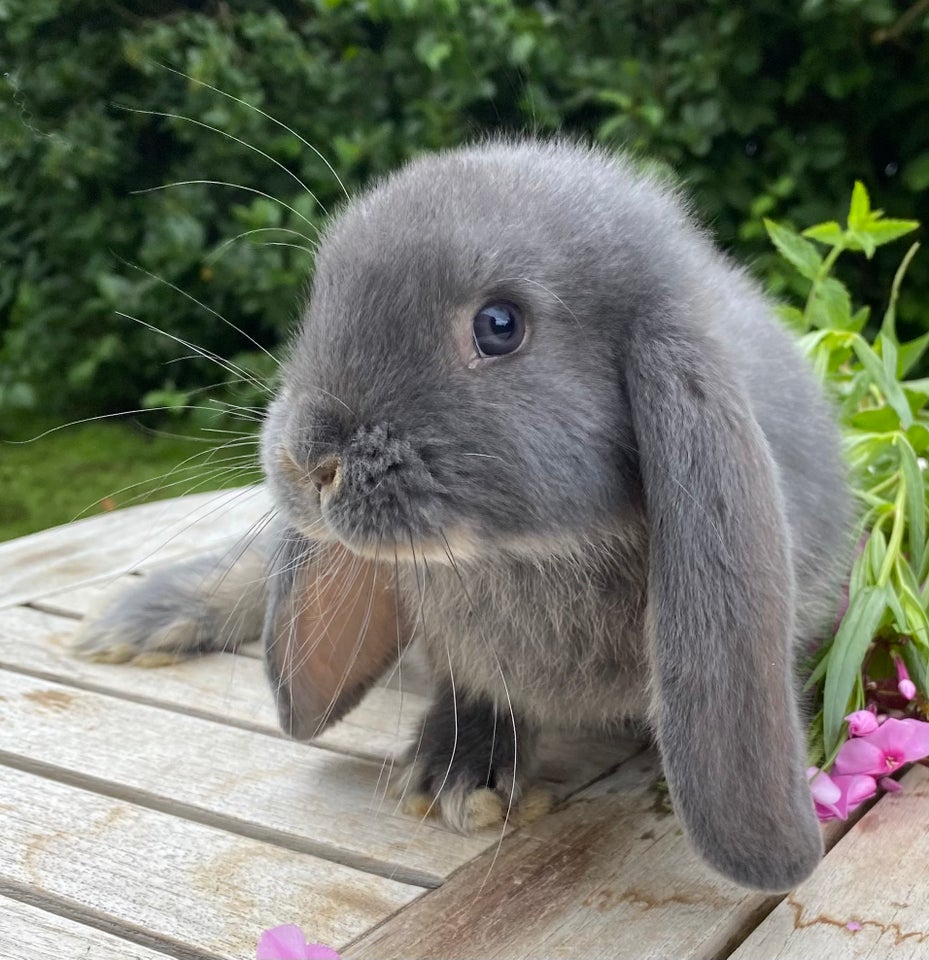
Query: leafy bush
{"points": [[883, 636], [766, 109]]}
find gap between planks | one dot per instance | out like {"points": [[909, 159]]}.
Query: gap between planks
{"points": [[292, 794], [44, 927], [220, 687], [188, 889]]}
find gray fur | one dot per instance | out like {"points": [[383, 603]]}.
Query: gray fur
{"points": [[214, 602], [645, 505]]}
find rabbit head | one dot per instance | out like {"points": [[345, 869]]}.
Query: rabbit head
{"points": [[515, 350]]}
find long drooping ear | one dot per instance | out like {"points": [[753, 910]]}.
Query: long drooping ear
{"points": [[720, 613], [331, 630]]}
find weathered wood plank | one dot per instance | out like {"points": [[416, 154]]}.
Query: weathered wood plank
{"points": [[192, 890], [611, 876], [28, 933], [234, 690], [219, 687], [870, 897], [87, 598], [100, 547], [298, 795]]}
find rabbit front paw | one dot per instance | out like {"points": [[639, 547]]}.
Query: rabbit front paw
{"points": [[472, 767]]}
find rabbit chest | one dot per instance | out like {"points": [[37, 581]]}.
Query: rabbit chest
{"points": [[562, 640]]}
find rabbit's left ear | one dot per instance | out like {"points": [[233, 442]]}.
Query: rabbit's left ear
{"points": [[332, 628], [720, 612]]}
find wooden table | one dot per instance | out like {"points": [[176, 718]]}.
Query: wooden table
{"points": [[146, 813]]}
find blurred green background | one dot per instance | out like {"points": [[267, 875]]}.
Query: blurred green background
{"points": [[113, 290]]}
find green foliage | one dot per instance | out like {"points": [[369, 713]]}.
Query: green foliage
{"points": [[766, 109], [109, 464], [886, 430]]}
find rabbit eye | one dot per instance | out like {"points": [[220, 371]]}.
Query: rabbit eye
{"points": [[498, 329]]}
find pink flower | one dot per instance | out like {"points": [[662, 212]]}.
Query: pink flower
{"points": [[889, 784], [836, 796], [904, 684], [861, 722], [288, 943], [894, 743]]}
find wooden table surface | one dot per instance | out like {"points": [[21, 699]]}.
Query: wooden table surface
{"points": [[152, 813]]}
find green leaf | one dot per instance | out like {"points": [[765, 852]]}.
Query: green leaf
{"points": [[830, 305], [886, 231], [861, 240], [801, 253], [859, 212], [915, 498], [882, 420], [915, 665], [918, 435], [855, 635], [917, 621], [831, 234], [875, 552], [859, 319], [889, 387], [920, 386], [818, 672], [910, 353]]}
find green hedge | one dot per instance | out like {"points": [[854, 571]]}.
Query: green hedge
{"points": [[766, 109]]}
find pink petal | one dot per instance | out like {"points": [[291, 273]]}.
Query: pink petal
{"points": [[908, 739], [853, 925], [889, 784], [907, 689], [917, 746], [861, 755], [822, 787], [283, 943], [861, 722], [855, 790], [825, 793]]}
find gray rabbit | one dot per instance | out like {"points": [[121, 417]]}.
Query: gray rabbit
{"points": [[534, 418]]}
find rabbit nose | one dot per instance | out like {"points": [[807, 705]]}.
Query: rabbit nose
{"points": [[327, 473]]}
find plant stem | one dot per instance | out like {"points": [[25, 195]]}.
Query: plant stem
{"points": [[822, 274], [896, 535]]}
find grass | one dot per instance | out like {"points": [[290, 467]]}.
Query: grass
{"points": [[78, 471]]}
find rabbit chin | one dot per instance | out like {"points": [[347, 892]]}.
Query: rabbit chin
{"points": [[459, 544]]}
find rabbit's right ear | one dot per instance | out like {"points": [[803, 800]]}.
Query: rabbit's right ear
{"points": [[720, 609], [332, 628]]}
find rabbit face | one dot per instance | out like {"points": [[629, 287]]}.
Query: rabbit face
{"points": [[452, 383]]}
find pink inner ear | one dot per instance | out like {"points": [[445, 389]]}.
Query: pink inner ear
{"points": [[339, 633]]}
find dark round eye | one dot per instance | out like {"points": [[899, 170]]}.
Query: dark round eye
{"points": [[498, 329]]}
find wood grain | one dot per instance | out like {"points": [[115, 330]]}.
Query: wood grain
{"points": [[99, 548], [234, 690], [218, 687], [294, 794], [611, 876], [189, 889], [870, 897], [28, 933]]}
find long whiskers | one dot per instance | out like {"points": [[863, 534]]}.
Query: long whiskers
{"points": [[230, 136], [262, 113], [227, 183]]}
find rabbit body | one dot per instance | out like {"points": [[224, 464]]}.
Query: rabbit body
{"points": [[638, 513]]}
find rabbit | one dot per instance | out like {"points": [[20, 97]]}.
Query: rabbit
{"points": [[535, 421]]}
